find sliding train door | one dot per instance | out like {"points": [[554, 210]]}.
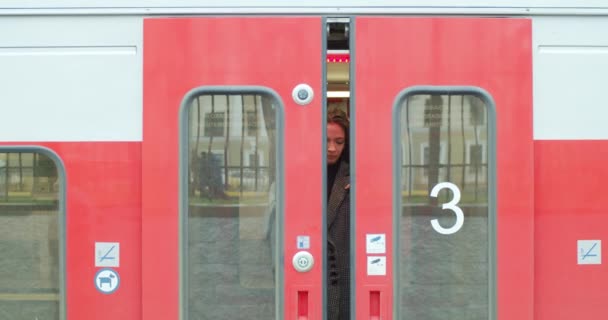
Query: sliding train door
{"points": [[232, 176], [232, 153], [444, 169]]}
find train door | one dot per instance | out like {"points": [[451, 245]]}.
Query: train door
{"points": [[441, 168], [232, 154]]}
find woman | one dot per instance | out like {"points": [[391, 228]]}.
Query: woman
{"points": [[338, 217]]}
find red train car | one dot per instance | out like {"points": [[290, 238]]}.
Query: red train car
{"points": [[164, 161]]}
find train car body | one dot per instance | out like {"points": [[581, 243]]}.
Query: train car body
{"points": [[166, 160]]}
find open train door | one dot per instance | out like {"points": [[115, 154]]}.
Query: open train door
{"points": [[232, 177], [444, 168]]}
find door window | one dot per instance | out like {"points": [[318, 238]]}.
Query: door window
{"points": [[30, 235], [445, 223], [230, 225]]}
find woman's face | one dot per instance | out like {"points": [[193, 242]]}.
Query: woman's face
{"points": [[336, 138]]}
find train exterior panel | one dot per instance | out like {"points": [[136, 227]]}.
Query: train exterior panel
{"points": [[167, 162]]}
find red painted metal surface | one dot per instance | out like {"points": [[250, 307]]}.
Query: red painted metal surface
{"points": [[182, 54], [103, 198], [570, 177], [494, 54], [103, 204]]}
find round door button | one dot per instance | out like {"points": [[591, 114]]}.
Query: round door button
{"points": [[302, 94], [303, 261]]}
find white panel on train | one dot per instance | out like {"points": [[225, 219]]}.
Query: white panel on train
{"points": [[71, 79], [570, 68]]}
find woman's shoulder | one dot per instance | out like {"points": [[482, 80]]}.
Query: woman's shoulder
{"points": [[344, 169]]}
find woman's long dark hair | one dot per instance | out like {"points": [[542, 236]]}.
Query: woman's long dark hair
{"points": [[340, 118]]}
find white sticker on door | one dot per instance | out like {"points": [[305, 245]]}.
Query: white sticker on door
{"points": [[303, 242], [376, 243], [589, 251], [107, 254], [376, 266]]}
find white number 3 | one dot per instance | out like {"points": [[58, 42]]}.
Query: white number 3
{"points": [[452, 205]]}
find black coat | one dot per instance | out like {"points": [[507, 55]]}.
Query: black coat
{"points": [[338, 246]]}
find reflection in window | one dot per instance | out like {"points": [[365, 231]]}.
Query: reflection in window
{"points": [[426, 157], [231, 218], [214, 124], [443, 139], [252, 123], [475, 158], [29, 236], [433, 111], [477, 112]]}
